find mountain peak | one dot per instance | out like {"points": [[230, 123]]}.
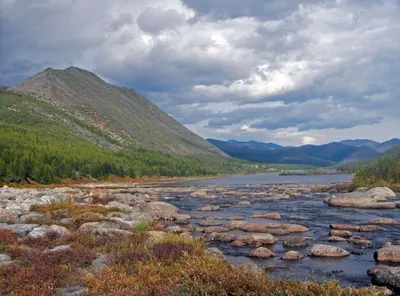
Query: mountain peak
{"points": [[112, 115]]}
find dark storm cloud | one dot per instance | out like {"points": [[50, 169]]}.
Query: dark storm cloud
{"points": [[216, 65]]}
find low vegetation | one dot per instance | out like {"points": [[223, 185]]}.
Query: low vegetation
{"points": [[384, 171], [174, 265]]}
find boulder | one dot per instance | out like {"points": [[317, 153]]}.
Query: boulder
{"points": [[215, 252], [31, 217], [370, 228], [336, 239], [272, 228], [384, 275], [131, 199], [298, 218], [390, 254], [292, 255], [120, 206], [19, 229], [381, 193], [207, 223], [261, 239], [100, 262], [345, 227], [243, 203], [42, 231], [73, 291], [90, 226], [212, 229], [154, 237], [111, 233], [261, 253], [236, 218], [210, 208], [201, 194], [372, 199], [158, 210], [5, 258], [295, 242], [62, 248], [272, 216], [341, 233], [360, 242], [383, 221], [214, 218], [221, 237], [329, 251], [182, 219]]}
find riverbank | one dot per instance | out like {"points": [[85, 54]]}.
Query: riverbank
{"points": [[97, 230]]}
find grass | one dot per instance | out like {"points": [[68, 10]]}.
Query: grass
{"points": [[174, 265], [141, 227]]}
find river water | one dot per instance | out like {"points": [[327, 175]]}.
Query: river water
{"points": [[351, 270]]}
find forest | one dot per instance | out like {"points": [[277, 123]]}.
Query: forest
{"points": [[35, 146]]}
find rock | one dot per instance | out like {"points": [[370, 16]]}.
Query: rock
{"points": [[207, 223], [212, 229], [209, 208], [329, 251], [111, 233], [238, 243], [381, 193], [120, 206], [261, 253], [295, 242], [175, 229], [131, 199], [158, 210], [155, 236], [397, 203], [182, 219], [368, 200], [336, 239], [88, 216], [292, 255], [261, 239], [73, 291], [297, 218], [369, 228], [384, 275], [214, 218], [62, 248], [236, 218], [201, 194], [31, 217], [360, 242], [197, 217], [5, 258], [389, 254], [345, 227], [222, 237], [19, 229], [272, 216], [383, 221], [243, 203], [100, 262], [90, 226], [341, 233], [42, 231], [9, 218], [272, 228], [361, 189], [216, 253]]}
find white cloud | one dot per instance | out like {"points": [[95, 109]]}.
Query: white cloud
{"points": [[308, 140]]}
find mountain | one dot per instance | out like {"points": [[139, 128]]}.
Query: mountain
{"points": [[318, 155], [361, 142], [111, 116], [388, 145], [249, 143]]}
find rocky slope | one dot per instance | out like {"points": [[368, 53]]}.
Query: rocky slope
{"points": [[111, 115]]}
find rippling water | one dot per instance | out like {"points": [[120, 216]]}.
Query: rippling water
{"points": [[351, 270]]}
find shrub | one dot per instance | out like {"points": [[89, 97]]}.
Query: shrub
{"points": [[141, 227]]}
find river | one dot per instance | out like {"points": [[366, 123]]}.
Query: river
{"points": [[351, 270]]}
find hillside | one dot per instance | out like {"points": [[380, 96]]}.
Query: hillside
{"points": [[384, 170], [317, 155], [388, 145], [111, 116], [36, 146], [361, 142]]}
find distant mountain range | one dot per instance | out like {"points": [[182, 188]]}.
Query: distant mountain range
{"points": [[319, 155]]}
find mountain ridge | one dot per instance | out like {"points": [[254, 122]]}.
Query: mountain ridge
{"points": [[122, 115]]}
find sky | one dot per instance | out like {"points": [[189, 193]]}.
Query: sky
{"points": [[285, 71]]}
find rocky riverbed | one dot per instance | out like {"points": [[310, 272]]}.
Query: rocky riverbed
{"points": [[292, 230]]}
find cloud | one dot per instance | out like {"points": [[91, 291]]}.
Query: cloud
{"points": [[265, 70], [308, 140]]}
